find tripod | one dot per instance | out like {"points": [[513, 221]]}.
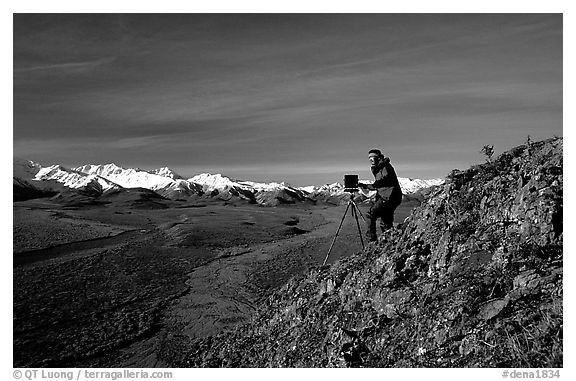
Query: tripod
{"points": [[355, 212]]}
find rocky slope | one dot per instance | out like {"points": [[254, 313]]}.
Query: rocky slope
{"points": [[473, 278]]}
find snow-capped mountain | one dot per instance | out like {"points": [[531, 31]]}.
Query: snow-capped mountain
{"points": [[217, 181], [25, 169], [57, 178], [74, 179], [24, 187], [260, 193], [407, 185], [178, 189], [211, 182], [166, 172], [127, 178], [164, 181], [98, 179]]}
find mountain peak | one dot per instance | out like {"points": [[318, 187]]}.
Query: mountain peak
{"points": [[214, 181], [24, 169], [166, 172]]}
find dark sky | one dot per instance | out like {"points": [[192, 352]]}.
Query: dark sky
{"points": [[279, 97]]}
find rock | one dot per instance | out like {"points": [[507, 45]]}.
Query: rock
{"points": [[468, 344], [390, 311], [526, 279], [441, 336], [492, 309], [500, 257]]}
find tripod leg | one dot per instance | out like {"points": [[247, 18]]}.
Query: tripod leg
{"points": [[359, 212], [337, 231], [355, 212]]}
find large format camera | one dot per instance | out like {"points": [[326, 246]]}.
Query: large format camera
{"points": [[351, 183]]}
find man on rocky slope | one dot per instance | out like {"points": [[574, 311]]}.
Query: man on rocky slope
{"points": [[388, 193]]}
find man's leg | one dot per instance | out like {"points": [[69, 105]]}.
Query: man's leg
{"points": [[387, 219], [374, 213], [371, 225]]}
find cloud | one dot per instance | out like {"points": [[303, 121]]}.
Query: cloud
{"points": [[65, 67]]}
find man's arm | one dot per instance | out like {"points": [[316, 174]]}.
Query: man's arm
{"points": [[366, 186]]}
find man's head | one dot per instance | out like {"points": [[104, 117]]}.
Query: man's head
{"points": [[375, 157]]}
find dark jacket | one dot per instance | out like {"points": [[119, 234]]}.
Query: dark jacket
{"points": [[386, 183]]}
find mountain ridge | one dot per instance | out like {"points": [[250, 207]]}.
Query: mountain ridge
{"points": [[96, 179]]}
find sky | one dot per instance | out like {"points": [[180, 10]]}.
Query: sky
{"points": [[299, 98]]}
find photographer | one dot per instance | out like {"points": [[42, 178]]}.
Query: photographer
{"points": [[388, 193]]}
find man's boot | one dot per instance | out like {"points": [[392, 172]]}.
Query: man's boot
{"points": [[385, 226], [387, 221]]}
